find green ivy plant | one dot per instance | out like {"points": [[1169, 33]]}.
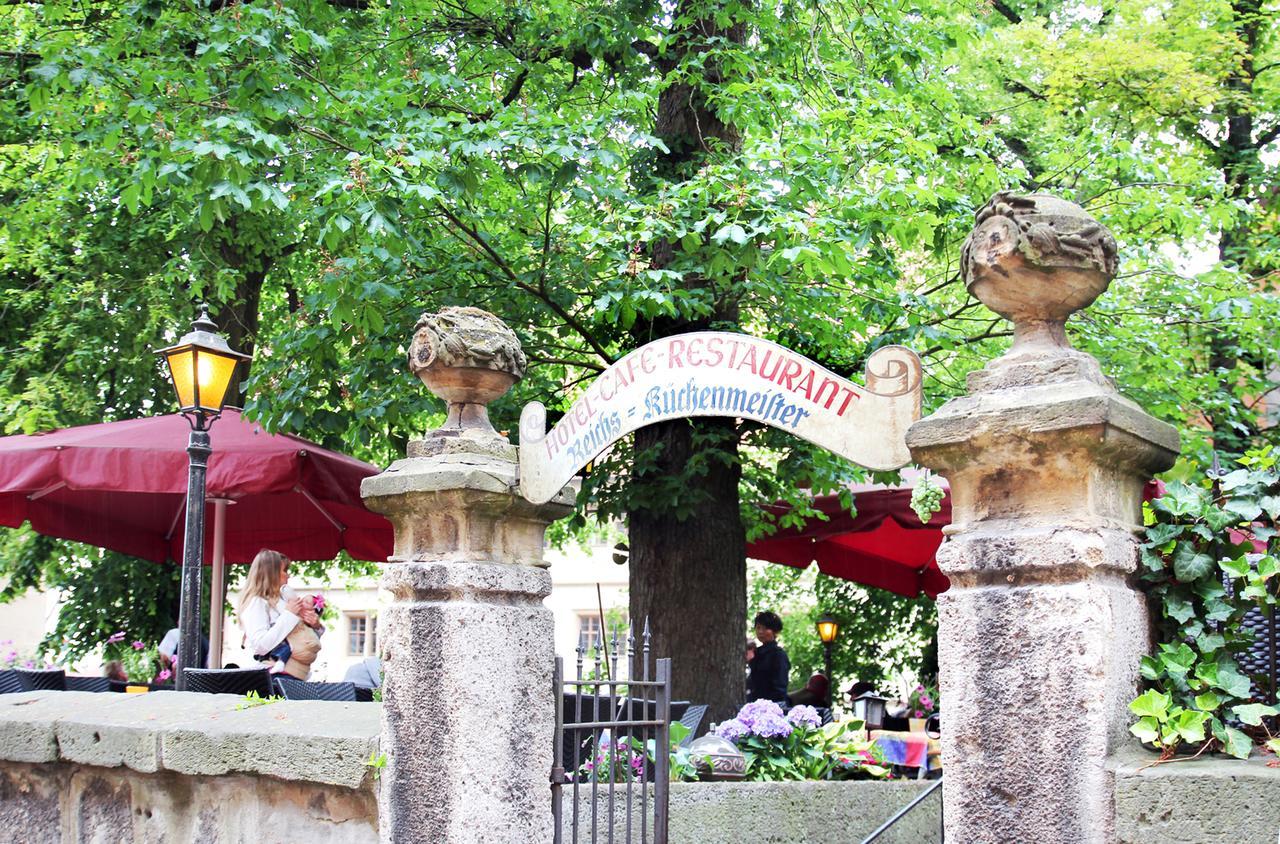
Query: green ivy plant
{"points": [[1210, 555]]}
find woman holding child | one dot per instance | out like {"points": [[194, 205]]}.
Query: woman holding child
{"points": [[280, 627]]}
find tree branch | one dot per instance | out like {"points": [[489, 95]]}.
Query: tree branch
{"points": [[1007, 13], [483, 245], [1268, 136]]}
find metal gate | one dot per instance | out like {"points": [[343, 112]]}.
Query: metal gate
{"points": [[612, 746]]}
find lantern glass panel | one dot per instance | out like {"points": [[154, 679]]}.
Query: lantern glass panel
{"points": [[202, 378], [828, 630]]}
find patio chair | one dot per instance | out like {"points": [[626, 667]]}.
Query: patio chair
{"points": [[579, 709], [9, 682], [364, 694], [293, 689], [42, 679], [88, 684], [234, 681]]}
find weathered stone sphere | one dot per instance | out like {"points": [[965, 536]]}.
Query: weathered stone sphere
{"points": [[1037, 258]]}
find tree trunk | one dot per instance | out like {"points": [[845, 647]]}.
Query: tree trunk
{"points": [[688, 564]]}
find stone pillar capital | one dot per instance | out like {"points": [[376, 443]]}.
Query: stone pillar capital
{"points": [[1040, 634]]}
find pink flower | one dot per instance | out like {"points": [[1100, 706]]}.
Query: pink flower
{"points": [[919, 688], [138, 645], [926, 701], [163, 675], [317, 603], [118, 636]]}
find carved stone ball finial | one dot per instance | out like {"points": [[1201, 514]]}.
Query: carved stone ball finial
{"points": [[469, 358], [1035, 260]]}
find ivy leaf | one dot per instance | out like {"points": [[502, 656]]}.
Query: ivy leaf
{"points": [[1210, 642], [1190, 564], [1217, 518], [1189, 724], [1179, 499], [1271, 505], [1238, 567], [1247, 509], [1233, 741], [1178, 608], [1231, 681], [1208, 702], [1152, 704], [1159, 534], [1253, 713], [1147, 729]]}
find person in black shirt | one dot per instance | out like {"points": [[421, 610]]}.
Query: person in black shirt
{"points": [[770, 669]]}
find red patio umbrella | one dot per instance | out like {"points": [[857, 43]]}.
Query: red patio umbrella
{"points": [[884, 544], [123, 486]]}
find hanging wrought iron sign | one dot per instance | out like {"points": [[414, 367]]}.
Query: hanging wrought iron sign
{"points": [[714, 373]]}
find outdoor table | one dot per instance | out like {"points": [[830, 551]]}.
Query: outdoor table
{"points": [[911, 750]]}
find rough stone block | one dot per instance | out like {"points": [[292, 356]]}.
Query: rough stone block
{"points": [[27, 722], [467, 709], [1201, 801], [314, 741]]}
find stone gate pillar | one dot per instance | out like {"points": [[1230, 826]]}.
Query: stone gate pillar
{"points": [[1041, 632], [467, 712]]}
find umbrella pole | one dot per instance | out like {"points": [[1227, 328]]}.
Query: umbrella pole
{"points": [[218, 583]]}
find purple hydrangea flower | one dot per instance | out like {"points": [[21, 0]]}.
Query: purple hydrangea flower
{"points": [[804, 716], [731, 730], [772, 726], [756, 710]]}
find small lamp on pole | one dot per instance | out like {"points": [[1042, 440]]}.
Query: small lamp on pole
{"points": [[202, 368], [828, 630]]}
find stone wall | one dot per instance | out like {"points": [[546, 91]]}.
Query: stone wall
{"points": [[775, 813], [1211, 800], [180, 766]]}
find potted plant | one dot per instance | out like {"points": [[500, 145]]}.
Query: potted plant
{"points": [[922, 703], [140, 662]]}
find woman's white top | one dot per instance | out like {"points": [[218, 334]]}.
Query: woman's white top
{"points": [[267, 625]]}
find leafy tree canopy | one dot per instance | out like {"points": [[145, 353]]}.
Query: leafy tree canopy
{"points": [[324, 171]]}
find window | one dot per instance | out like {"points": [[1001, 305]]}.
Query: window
{"points": [[589, 629], [357, 633], [588, 632]]}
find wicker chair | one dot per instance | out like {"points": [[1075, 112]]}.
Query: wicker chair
{"points": [[88, 684], [228, 681], [43, 679], [9, 682], [293, 689]]}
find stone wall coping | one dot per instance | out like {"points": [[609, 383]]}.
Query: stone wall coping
{"points": [[1136, 762], [190, 733]]}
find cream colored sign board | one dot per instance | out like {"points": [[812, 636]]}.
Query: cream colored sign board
{"points": [[715, 373]]}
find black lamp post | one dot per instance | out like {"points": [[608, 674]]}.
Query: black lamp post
{"points": [[202, 367], [828, 630]]}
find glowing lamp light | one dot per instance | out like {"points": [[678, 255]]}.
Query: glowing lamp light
{"points": [[202, 367], [828, 629]]}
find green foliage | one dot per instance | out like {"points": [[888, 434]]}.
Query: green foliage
{"points": [[253, 699], [795, 747], [1197, 537], [882, 635], [323, 173]]}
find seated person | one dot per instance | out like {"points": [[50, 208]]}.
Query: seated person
{"points": [[814, 692]]}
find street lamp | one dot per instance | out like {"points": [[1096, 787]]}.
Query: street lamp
{"points": [[828, 629], [202, 367]]}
